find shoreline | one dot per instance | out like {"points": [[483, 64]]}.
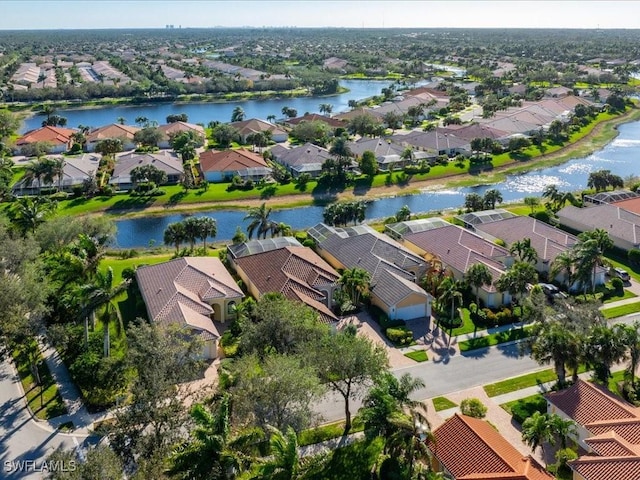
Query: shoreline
{"points": [[585, 146]]}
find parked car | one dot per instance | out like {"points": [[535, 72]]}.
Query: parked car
{"points": [[621, 273], [552, 291]]}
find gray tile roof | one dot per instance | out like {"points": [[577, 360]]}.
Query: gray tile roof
{"points": [[305, 158], [179, 291], [618, 222], [164, 160], [388, 262]]}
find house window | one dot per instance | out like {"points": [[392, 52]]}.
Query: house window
{"points": [[231, 308]]}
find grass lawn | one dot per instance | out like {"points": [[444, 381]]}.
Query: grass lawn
{"points": [[417, 355], [616, 377], [621, 311], [525, 407], [467, 324], [327, 432], [625, 294], [353, 462], [524, 381], [442, 403], [44, 402], [119, 264], [494, 339]]}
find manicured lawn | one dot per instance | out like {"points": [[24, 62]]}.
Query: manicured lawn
{"points": [[621, 311], [467, 324], [494, 339], [418, 356], [525, 407], [625, 294], [442, 403], [524, 381], [616, 377], [327, 432], [119, 264], [45, 402]]}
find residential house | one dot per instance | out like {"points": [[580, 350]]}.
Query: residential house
{"points": [[388, 154], [283, 265], [171, 129], [76, 170], [224, 165], [608, 428], [436, 142], [59, 139], [335, 63], [124, 133], [466, 448], [560, 91], [192, 292], [623, 226], [394, 269], [307, 158], [315, 117], [618, 197], [457, 249], [164, 160], [249, 127], [472, 131]]}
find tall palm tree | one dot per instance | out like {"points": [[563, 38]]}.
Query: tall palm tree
{"points": [[208, 228], [174, 234], [589, 252], [477, 276], [604, 349], [326, 108], [491, 197], [536, 431], [632, 342], [283, 462], [562, 428], [260, 221], [449, 293], [101, 293], [237, 115], [555, 343], [212, 452], [356, 283], [409, 440], [28, 213], [341, 151], [35, 171]]}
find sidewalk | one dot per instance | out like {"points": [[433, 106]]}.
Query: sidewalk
{"points": [[78, 415]]}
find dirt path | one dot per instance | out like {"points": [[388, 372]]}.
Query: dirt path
{"points": [[584, 146]]}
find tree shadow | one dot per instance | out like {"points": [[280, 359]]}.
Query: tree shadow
{"points": [[478, 168], [176, 198], [362, 185], [268, 192], [520, 156], [132, 203]]}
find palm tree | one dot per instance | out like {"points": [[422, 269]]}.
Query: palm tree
{"points": [[28, 213], [121, 120], [536, 431], [35, 172], [589, 253], [477, 276], [283, 462], [271, 118], [212, 452], [491, 197], [341, 151], [552, 193], [604, 349], [403, 214], [356, 283], [563, 265], [555, 343], [237, 115], [102, 293], [56, 167], [260, 221], [515, 279], [524, 252], [208, 228], [562, 428], [174, 234], [410, 438], [326, 108], [282, 229], [449, 293], [191, 230], [632, 342]]}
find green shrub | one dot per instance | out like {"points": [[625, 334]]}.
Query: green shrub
{"points": [[634, 256], [399, 335], [617, 284], [542, 215], [59, 196], [473, 407], [499, 242]]}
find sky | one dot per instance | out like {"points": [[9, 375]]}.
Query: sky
{"points": [[70, 14]]}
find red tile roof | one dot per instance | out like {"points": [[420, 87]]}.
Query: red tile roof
{"points": [[472, 449], [587, 403], [230, 160], [54, 135], [610, 468]]}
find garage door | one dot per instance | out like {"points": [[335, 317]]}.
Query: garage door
{"points": [[413, 311]]}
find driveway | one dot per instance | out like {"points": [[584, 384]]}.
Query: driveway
{"points": [[24, 442]]}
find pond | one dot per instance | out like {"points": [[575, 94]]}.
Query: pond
{"points": [[621, 156]]}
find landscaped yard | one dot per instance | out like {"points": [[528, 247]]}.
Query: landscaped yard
{"points": [[353, 462], [525, 407], [495, 339], [625, 294], [621, 311], [44, 401], [523, 381], [442, 403], [327, 432], [417, 355]]}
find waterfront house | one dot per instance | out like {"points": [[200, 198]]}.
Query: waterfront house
{"points": [[171, 129], [307, 158], [164, 160], [124, 133], [191, 291], [224, 165], [394, 269], [284, 266], [76, 170], [58, 139], [246, 128]]}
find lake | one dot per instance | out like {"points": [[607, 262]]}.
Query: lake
{"points": [[207, 112], [621, 156]]}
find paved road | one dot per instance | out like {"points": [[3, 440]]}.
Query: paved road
{"points": [[458, 372], [21, 438]]}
